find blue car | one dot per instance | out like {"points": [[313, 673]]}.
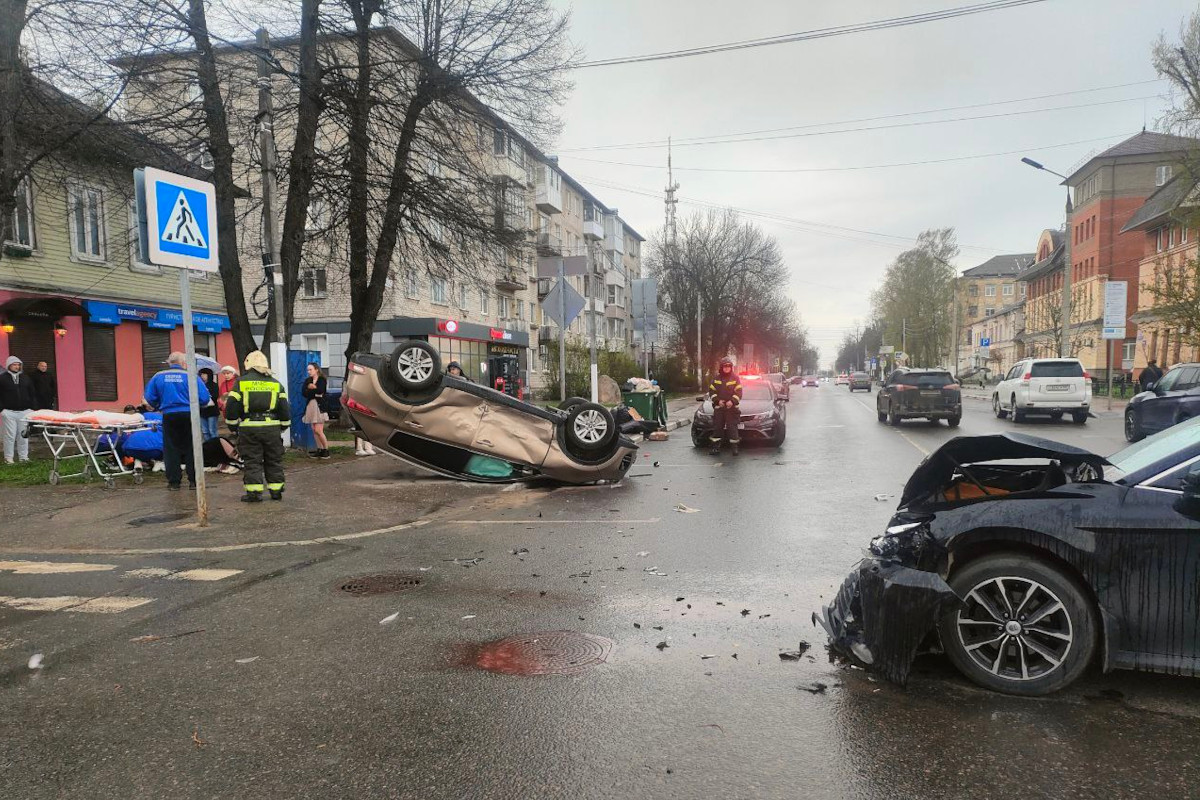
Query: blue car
{"points": [[1175, 398]]}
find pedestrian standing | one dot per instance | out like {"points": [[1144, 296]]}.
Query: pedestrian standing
{"points": [[726, 394], [224, 384], [17, 399], [169, 391], [1150, 375], [257, 408], [315, 414], [210, 415], [45, 386]]}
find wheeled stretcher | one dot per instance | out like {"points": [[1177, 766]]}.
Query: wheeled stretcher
{"points": [[89, 442]]}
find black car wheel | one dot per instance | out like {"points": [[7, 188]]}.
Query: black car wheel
{"points": [[1025, 626], [779, 435], [1018, 416], [1079, 417], [416, 365], [892, 417], [571, 402], [1056, 416], [1133, 431], [589, 429], [699, 437], [953, 421], [882, 416], [997, 408]]}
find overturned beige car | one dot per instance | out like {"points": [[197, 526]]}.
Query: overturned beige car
{"points": [[404, 404]]}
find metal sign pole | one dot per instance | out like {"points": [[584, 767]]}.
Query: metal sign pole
{"points": [[562, 331], [1112, 346], [189, 338]]}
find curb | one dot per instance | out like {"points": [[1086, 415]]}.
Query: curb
{"points": [[672, 425]]}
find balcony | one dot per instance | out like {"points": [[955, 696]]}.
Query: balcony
{"points": [[614, 345], [614, 311], [593, 224], [510, 281], [505, 169], [614, 234], [513, 324], [544, 285], [549, 190], [547, 333], [549, 245], [614, 277]]}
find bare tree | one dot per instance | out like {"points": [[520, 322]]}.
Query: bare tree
{"points": [[915, 302]]}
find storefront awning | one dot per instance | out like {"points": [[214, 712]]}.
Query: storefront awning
{"points": [[164, 318], [45, 307]]}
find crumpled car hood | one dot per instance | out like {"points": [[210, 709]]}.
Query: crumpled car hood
{"points": [[935, 471]]}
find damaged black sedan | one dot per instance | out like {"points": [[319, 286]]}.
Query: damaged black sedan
{"points": [[1026, 561]]}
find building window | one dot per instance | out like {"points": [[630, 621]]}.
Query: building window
{"points": [[437, 291], [989, 291], [1162, 174], [1129, 352], [1159, 240], [1170, 237], [318, 215], [520, 309], [987, 312], [86, 207], [502, 307], [312, 281], [100, 353], [411, 285], [318, 342], [973, 290], [1008, 290], [22, 221], [463, 296], [972, 311], [484, 304]]}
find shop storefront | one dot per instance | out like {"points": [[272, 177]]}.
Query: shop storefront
{"points": [[102, 353], [485, 353]]}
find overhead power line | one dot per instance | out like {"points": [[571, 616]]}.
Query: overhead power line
{"points": [[693, 139], [787, 171], [819, 33]]}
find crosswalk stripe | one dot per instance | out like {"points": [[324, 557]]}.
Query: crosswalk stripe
{"points": [[74, 604], [51, 567], [204, 574]]}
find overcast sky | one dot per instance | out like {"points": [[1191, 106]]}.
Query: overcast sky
{"points": [[996, 204]]}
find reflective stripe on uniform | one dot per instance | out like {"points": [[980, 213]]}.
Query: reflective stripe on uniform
{"points": [[275, 487], [261, 423], [252, 487]]}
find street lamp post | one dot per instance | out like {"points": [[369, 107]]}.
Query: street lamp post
{"points": [[1064, 344]]}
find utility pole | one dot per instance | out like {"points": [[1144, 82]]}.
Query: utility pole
{"points": [[1064, 346], [904, 335], [594, 370], [957, 333], [270, 190], [699, 347], [562, 331]]}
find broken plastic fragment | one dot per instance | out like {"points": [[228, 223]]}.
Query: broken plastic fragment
{"points": [[249, 660], [35, 661], [682, 509], [389, 618], [745, 612], [662, 645], [469, 616], [882, 497], [706, 657], [643, 554], [425, 569]]}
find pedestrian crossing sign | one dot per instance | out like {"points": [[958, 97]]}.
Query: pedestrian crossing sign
{"points": [[181, 219]]}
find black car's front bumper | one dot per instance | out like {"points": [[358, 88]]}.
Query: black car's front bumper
{"points": [[748, 430], [883, 612]]}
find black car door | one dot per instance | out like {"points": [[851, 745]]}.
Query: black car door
{"points": [[1149, 578], [1157, 412]]}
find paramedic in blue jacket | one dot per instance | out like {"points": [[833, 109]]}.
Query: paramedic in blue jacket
{"points": [[167, 392]]}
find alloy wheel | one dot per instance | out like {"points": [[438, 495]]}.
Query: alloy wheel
{"points": [[591, 426], [1015, 628], [415, 365]]}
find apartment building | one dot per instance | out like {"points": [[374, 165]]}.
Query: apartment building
{"points": [[73, 291], [1166, 222], [994, 342], [1107, 190], [981, 292], [488, 316]]}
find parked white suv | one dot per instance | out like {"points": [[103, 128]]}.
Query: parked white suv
{"points": [[1047, 386]]}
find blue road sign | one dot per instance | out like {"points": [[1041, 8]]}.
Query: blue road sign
{"points": [[985, 342], [181, 220]]}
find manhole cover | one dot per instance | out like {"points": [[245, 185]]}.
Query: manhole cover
{"points": [[378, 584], [547, 653], [157, 519]]}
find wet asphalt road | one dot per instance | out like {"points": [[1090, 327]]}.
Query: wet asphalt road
{"points": [[335, 704]]}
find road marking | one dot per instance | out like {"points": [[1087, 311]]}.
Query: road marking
{"points": [[51, 567], [920, 449], [147, 572], [553, 521], [204, 574], [73, 604], [228, 548]]}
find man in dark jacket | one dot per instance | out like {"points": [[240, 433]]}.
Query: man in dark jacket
{"points": [[257, 408], [169, 391], [725, 391], [1151, 374], [17, 399], [45, 386]]}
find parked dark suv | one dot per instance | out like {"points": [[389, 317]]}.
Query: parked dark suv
{"points": [[1175, 398], [927, 393]]}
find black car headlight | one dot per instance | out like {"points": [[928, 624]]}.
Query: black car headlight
{"points": [[702, 417], [903, 541]]}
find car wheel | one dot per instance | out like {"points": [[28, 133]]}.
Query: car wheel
{"points": [[1025, 627], [882, 416], [416, 365], [1056, 417], [699, 437], [892, 417], [780, 435], [1133, 431], [571, 402], [953, 421], [1080, 418], [997, 408], [589, 429], [1018, 416]]}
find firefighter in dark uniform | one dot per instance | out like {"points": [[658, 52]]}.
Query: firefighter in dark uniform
{"points": [[726, 393], [257, 408]]}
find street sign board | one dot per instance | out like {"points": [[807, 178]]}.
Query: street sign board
{"points": [[552, 303], [645, 310], [887, 349], [1113, 332], [1115, 293], [181, 219], [985, 342], [572, 265]]}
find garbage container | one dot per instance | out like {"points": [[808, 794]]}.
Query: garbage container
{"points": [[651, 405]]}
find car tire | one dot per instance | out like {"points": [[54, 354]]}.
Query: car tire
{"points": [[589, 428], [1056, 417], [571, 402], [953, 421], [699, 437], [995, 585], [997, 408], [1133, 431], [1018, 416], [779, 437], [1079, 417], [416, 365], [893, 418], [882, 416]]}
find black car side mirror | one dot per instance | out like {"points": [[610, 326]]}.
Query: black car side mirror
{"points": [[1188, 503]]}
